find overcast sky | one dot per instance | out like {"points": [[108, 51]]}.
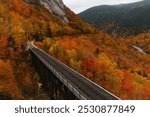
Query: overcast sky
{"points": [[81, 5]]}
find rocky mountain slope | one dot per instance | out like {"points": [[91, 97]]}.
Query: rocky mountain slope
{"points": [[123, 19]]}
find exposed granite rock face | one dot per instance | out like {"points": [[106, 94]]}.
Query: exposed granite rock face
{"points": [[54, 6]]}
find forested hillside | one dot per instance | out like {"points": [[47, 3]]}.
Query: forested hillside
{"points": [[112, 62], [122, 20]]}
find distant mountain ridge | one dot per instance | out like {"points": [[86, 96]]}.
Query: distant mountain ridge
{"points": [[131, 19]]}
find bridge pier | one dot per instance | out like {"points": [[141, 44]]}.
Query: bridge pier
{"points": [[55, 89]]}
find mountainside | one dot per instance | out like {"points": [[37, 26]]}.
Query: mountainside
{"points": [[115, 63], [23, 20], [123, 19]]}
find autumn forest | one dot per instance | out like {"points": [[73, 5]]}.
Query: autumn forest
{"points": [[113, 62]]}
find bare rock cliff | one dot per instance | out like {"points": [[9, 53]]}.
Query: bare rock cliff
{"points": [[56, 7]]}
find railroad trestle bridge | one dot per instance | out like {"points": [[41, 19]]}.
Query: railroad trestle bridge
{"points": [[63, 83]]}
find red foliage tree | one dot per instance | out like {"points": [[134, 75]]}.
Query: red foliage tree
{"points": [[146, 92], [3, 46]]}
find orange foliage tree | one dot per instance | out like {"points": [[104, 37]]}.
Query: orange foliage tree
{"points": [[127, 85], [21, 7], [7, 80]]}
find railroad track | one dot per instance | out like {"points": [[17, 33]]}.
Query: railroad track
{"points": [[82, 87]]}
